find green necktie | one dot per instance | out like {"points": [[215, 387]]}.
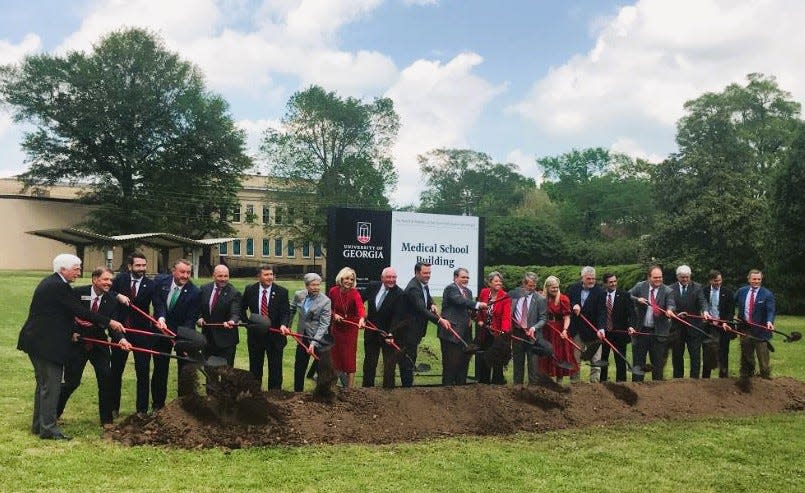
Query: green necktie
{"points": [[174, 297]]}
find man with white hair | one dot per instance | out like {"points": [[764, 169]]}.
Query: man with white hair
{"points": [[689, 299], [588, 300], [46, 337]]}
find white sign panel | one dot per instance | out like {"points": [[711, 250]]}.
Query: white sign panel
{"points": [[445, 242]]}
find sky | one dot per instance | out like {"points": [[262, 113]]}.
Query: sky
{"points": [[516, 79]]}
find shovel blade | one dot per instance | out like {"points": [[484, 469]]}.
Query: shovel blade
{"points": [[636, 370], [422, 368], [793, 337], [599, 363], [565, 365]]}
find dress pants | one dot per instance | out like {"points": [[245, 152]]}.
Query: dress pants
{"points": [[373, 345], [691, 339], [301, 359], [407, 363], [620, 363], [159, 380], [228, 353], [46, 397], [717, 356], [264, 346], [98, 356], [655, 347], [749, 348], [455, 363], [142, 371], [522, 356]]}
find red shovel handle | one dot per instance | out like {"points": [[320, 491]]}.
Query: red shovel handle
{"points": [[150, 318], [298, 338], [571, 341]]}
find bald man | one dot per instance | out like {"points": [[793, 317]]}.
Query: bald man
{"points": [[383, 305], [220, 304]]}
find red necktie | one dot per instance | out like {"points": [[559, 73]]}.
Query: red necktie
{"points": [[653, 302], [609, 312], [95, 304], [264, 304], [133, 288], [751, 304], [214, 297]]}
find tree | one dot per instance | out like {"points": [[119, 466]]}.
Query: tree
{"points": [[332, 151], [712, 195], [467, 182], [787, 269], [600, 194], [136, 127], [520, 241]]}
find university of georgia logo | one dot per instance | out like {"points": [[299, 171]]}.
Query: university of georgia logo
{"points": [[364, 233]]}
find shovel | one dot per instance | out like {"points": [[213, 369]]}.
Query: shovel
{"points": [[636, 370], [792, 337], [265, 324], [539, 351]]}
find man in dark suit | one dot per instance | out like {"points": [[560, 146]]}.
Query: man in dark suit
{"points": [[755, 304], [383, 300], [46, 337], [619, 315], [99, 298], [419, 309], [721, 304], [177, 302], [528, 326], [268, 299], [689, 299], [457, 303], [654, 305], [586, 298], [139, 289], [220, 304]]}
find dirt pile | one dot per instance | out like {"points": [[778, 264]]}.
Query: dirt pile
{"points": [[245, 419]]}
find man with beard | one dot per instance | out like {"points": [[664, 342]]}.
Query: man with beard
{"points": [[138, 288], [619, 315]]}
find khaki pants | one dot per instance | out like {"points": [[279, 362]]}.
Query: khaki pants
{"points": [[749, 348], [595, 372]]}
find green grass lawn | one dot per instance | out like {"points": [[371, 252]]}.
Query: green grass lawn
{"points": [[764, 453]]}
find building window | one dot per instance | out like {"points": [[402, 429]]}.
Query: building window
{"points": [[265, 247], [236, 214], [278, 247], [266, 216], [306, 250], [277, 216], [250, 246], [290, 213], [235, 247], [291, 249], [317, 251], [222, 248], [250, 217]]}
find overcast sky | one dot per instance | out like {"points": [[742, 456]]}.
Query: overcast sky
{"points": [[518, 79]]}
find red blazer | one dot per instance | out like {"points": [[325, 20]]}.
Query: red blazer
{"points": [[501, 310]]}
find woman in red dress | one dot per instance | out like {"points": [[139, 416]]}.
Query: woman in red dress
{"points": [[555, 331], [492, 322], [348, 317]]}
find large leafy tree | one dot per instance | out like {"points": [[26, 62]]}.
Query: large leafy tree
{"points": [[600, 194], [332, 151], [467, 182], [713, 195], [135, 125]]}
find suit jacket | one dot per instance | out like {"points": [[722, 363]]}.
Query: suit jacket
{"points": [[185, 311], [537, 309], [48, 329], [108, 306], [693, 302], [226, 308], [623, 315], [145, 294], [664, 298], [314, 321], [594, 309], [456, 307], [388, 316], [279, 310], [417, 313], [764, 310], [726, 302]]}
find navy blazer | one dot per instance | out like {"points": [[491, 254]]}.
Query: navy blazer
{"points": [[388, 316], [417, 313], [594, 309], [185, 311], [48, 330], [763, 312], [623, 315], [145, 294]]}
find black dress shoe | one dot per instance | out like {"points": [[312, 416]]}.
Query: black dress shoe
{"points": [[56, 436]]}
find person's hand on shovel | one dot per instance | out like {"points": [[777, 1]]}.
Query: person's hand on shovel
{"points": [[117, 326], [285, 331], [311, 349], [530, 332], [123, 299], [631, 331], [601, 334], [125, 345], [564, 334]]}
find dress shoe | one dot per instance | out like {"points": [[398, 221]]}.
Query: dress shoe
{"points": [[56, 436], [115, 414], [108, 426]]}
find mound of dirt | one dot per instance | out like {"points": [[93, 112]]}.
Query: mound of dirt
{"points": [[239, 419]]}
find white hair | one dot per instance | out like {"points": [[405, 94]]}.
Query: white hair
{"points": [[65, 261], [683, 270], [310, 277], [588, 270]]}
